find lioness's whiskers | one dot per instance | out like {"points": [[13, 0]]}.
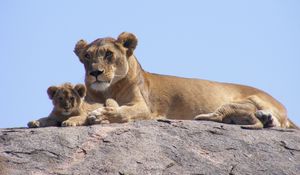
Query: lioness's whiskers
{"points": [[119, 75]]}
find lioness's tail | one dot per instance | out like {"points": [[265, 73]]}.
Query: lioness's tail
{"points": [[292, 125]]}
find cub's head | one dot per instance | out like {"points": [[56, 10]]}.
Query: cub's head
{"points": [[66, 98], [105, 59]]}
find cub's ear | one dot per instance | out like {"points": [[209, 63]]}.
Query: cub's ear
{"points": [[80, 89], [51, 91], [79, 48], [129, 41]]}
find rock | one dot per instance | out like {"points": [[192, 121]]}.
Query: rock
{"points": [[150, 147]]}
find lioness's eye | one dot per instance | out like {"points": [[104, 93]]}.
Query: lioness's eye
{"points": [[72, 98], [60, 99], [108, 55], [87, 56]]}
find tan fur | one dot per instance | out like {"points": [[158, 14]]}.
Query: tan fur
{"points": [[99, 116], [112, 71], [69, 107]]}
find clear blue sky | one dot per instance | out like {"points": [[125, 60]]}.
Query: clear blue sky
{"points": [[253, 42]]}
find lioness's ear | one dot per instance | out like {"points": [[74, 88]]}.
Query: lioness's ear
{"points": [[129, 41], [80, 89], [79, 47], [51, 91]]}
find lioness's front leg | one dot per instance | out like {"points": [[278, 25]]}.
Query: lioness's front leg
{"points": [[75, 121], [125, 113], [97, 117], [113, 113], [42, 122]]}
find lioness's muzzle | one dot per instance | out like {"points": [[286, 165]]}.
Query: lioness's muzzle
{"points": [[96, 73]]}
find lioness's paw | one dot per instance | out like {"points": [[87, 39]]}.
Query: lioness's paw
{"points": [[114, 115], [33, 124], [69, 123], [110, 112], [105, 122], [92, 120], [111, 103], [267, 119], [94, 117], [96, 112]]}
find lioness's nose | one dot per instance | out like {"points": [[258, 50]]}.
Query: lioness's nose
{"points": [[96, 73]]}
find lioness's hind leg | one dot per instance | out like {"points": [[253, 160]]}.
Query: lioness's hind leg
{"points": [[234, 113], [257, 123]]}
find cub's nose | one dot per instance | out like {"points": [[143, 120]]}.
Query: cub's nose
{"points": [[67, 107], [96, 73]]}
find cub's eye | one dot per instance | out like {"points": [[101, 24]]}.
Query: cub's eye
{"points": [[60, 99], [87, 56], [72, 98], [108, 55]]}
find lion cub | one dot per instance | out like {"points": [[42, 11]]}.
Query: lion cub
{"points": [[69, 107]]}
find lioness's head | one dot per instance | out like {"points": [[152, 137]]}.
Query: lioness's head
{"points": [[66, 98], [106, 59]]}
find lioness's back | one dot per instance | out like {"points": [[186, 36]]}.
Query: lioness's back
{"points": [[189, 94]]}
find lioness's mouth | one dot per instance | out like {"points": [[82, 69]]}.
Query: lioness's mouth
{"points": [[100, 85], [98, 81]]}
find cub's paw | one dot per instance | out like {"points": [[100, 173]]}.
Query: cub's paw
{"points": [[69, 123], [33, 124]]}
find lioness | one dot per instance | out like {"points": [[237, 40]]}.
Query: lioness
{"points": [[69, 107], [112, 71]]}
